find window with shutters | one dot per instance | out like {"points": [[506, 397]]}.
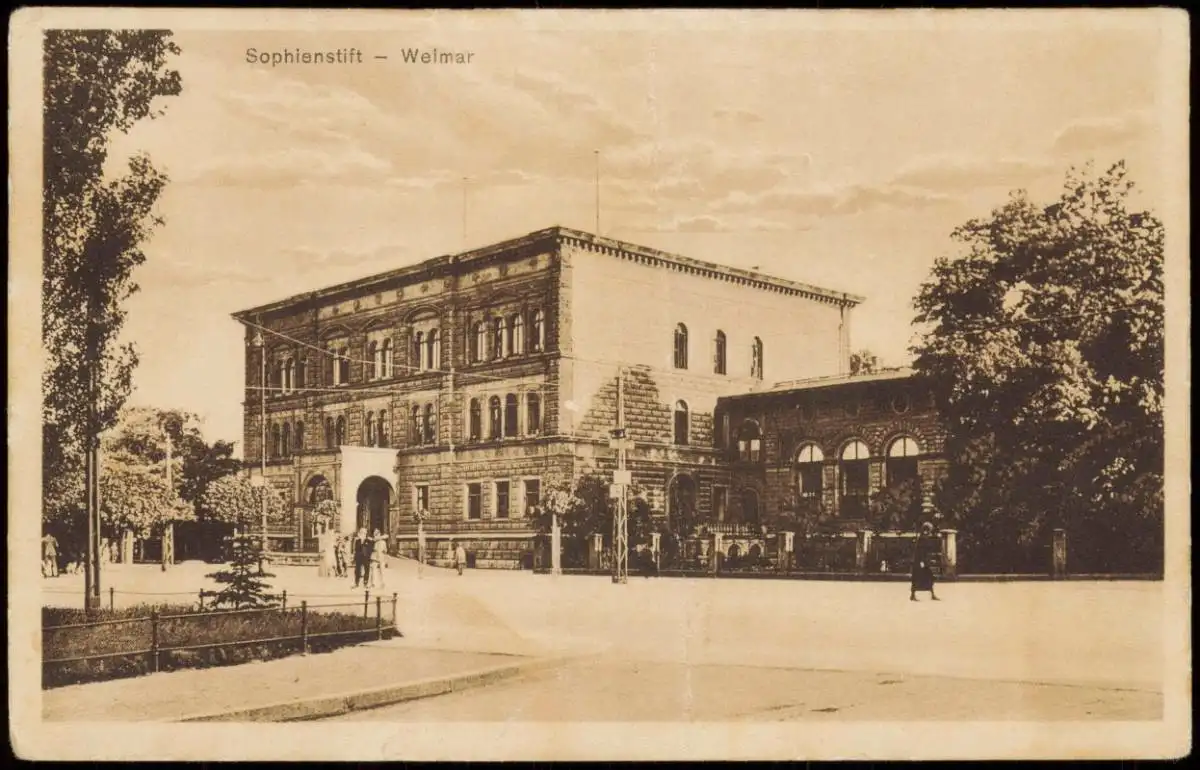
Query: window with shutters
{"points": [[681, 347]]}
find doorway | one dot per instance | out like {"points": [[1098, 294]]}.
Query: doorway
{"points": [[374, 499]]}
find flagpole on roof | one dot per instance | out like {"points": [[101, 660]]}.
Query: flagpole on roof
{"points": [[597, 154]]}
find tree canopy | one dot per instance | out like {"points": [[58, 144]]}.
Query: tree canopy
{"points": [[1043, 346], [96, 83], [235, 500], [863, 362]]}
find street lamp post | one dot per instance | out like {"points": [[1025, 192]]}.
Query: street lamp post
{"points": [[259, 343]]}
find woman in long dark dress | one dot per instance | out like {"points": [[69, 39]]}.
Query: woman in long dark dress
{"points": [[925, 551]]}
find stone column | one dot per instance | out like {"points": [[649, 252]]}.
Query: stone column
{"points": [[787, 543], [862, 550], [717, 551], [655, 546], [949, 553], [595, 561], [1058, 567], [705, 550], [555, 548]]}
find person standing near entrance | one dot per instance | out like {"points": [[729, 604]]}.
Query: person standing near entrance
{"points": [[460, 557], [49, 556], [341, 553], [925, 551], [362, 556], [378, 551]]}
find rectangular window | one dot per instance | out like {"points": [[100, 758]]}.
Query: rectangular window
{"points": [[474, 501], [720, 502], [533, 495], [421, 497], [501, 499]]}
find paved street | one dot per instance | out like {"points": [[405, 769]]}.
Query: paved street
{"points": [[632, 691], [676, 649]]}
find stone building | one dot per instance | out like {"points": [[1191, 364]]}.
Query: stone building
{"points": [[468, 384], [827, 451]]}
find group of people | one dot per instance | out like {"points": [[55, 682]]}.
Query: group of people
{"points": [[368, 553]]}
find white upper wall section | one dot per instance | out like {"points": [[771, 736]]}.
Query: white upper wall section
{"points": [[625, 310]]}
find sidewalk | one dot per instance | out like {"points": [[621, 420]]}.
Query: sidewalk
{"points": [[297, 687]]}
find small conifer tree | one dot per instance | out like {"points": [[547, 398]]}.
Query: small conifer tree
{"points": [[245, 587]]}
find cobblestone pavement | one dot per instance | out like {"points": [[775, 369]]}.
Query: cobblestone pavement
{"points": [[1014, 640], [630, 691]]}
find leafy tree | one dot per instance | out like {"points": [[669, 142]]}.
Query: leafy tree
{"points": [[234, 500], [897, 507], [245, 585], [863, 362], [585, 509], [134, 497], [1044, 350], [96, 83]]}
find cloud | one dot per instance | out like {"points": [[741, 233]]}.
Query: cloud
{"points": [[738, 116], [963, 174], [1094, 133], [295, 165], [830, 201]]}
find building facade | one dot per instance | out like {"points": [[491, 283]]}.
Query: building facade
{"points": [[467, 385], [842, 454]]}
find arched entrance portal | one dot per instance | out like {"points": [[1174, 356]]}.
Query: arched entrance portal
{"points": [[374, 498], [682, 501]]}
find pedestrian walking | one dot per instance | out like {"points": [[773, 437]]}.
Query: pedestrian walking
{"points": [[378, 551], [362, 556], [460, 557], [925, 551], [49, 556]]}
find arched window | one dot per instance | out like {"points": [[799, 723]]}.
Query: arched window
{"points": [[340, 431], [343, 366], [433, 350], [902, 461], [370, 425], [289, 375], [274, 440], [419, 351], [855, 472], [476, 420], [681, 347], [494, 417], [374, 370], [286, 441], [302, 373], [719, 353], [430, 425], [756, 359], [318, 490], [533, 413], [537, 335], [809, 478], [387, 359], [479, 350], [499, 338], [381, 428], [415, 426], [330, 436], [749, 442], [511, 412], [299, 437], [681, 423], [750, 514], [517, 330]]}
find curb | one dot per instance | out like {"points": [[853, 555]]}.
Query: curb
{"points": [[324, 706]]}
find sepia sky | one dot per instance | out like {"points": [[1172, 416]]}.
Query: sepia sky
{"points": [[841, 156]]}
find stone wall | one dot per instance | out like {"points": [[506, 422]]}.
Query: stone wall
{"points": [[874, 411]]}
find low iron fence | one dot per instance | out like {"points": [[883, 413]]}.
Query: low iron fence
{"points": [[160, 634]]}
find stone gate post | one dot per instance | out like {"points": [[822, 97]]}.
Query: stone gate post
{"points": [[1058, 550], [949, 552], [862, 550]]}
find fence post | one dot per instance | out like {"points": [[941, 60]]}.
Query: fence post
{"points": [[285, 600], [303, 627], [112, 598], [394, 624], [366, 602], [154, 637], [379, 617]]}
